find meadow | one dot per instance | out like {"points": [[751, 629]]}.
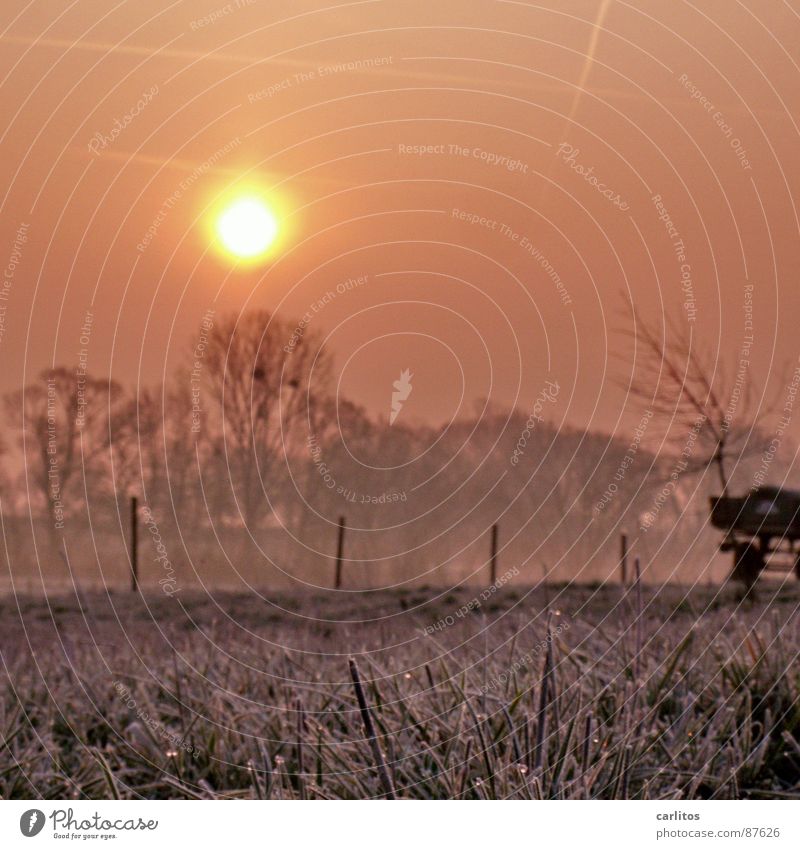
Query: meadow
{"points": [[560, 692]]}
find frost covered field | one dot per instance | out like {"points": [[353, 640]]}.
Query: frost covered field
{"points": [[657, 694]]}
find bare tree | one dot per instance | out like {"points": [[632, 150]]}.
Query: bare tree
{"points": [[707, 409], [63, 428], [149, 439], [256, 370]]}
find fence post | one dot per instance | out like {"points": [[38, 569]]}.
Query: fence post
{"points": [[493, 556], [339, 553], [623, 560], [134, 545]]}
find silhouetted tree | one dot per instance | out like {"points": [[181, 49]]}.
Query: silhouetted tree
{"points": [[708, 410], [257, 373], [62, 421]]}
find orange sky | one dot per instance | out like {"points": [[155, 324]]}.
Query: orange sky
{"points": [[263, 91]]}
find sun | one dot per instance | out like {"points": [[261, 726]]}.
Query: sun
{"points": [[246, 227]]}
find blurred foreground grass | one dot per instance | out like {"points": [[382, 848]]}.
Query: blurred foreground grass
{"points": [[569, 692]]}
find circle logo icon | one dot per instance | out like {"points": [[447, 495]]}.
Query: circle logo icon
{"points": [[31, 822]]}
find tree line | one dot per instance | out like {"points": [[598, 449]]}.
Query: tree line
{"points": [[246, 442]]}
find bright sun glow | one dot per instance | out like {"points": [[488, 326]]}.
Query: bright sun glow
{"points": [[247, 227]]}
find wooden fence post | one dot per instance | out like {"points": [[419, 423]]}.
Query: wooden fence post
{"points": [[493, 557], [134, 545], [623, 560], [339, 553]]}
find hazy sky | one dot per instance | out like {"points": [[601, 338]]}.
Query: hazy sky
{"points": [[441, 149]]}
